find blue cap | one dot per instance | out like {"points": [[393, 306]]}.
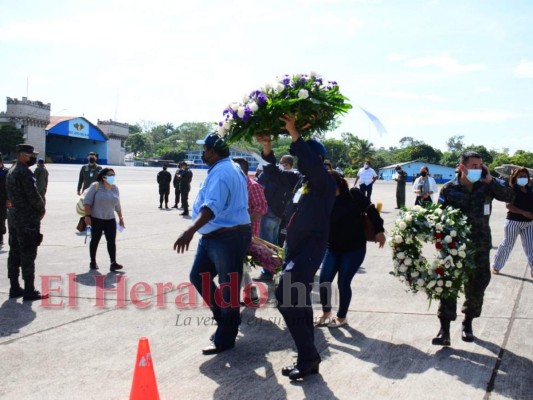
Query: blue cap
{"points": [[40, 161], [317, 147], [213, 141]]}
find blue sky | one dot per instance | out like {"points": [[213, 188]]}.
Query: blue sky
{"points": [[427, 69]]}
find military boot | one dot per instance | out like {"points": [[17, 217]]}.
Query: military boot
{"points": [[15, 291], [30, 294], [443, 337], [467, 334]]}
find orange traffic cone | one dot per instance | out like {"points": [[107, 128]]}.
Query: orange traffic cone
{"points": [[144, 385]]}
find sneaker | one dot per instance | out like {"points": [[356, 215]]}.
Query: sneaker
{"points": [[16, 292], [115, 266], [93, 265], [34, 295]]}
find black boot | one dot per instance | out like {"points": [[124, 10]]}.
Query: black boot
{"points": [[30, 293], [15, 291], [467, 334], [443, 337]]}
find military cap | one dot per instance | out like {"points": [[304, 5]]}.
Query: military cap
{"points": [[26, 148]]}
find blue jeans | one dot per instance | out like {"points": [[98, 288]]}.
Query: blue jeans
{"points": [[346, 264], [222, 255], [270, 224]]}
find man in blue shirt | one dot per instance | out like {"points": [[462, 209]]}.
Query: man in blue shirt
{"points": [[220, 215], [306, 243]]}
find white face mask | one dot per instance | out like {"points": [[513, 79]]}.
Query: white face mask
{"points": [[522, 181], [366, 166]]}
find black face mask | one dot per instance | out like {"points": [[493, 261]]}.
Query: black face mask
{"points": [[424, 173], [31, 161], [92, 160]]}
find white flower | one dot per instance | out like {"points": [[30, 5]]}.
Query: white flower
{"points": [[303, 94], [227, 125], [234, 106], [408, 217], [400, 255], [240, 111], [462, 247], [438, 211], [414, 274], [408, 261], [395, 264], [440, 282], [402, 225], [245, 99], [313, 74], [420, 282], [431, 284], [398, 239], [453, 252], [279, 87], [438, 226], [402, 268], [222, 131], [267, 88], [409, 240], [449, 284], [453, 233], [448, 239], [462, 254], [459, 264], [438, 289], [253, 106]]}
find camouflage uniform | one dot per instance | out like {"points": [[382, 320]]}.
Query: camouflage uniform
{"points": [[185, 188], [24, 222], [401, 179], [41, 176], [476, 205], [88, 175]]}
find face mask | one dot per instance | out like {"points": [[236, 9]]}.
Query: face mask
{"points": [[423, 173], [366, 166], [522, 181], [110, 179], [474, 175], [31, 161]]}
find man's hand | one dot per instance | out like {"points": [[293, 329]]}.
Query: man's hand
{"points": [[182, 244], [290, 125], [488, 176], [380, 238], [266, 141]]}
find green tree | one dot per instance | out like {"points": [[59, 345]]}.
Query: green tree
{"points": [[9, 138], [189, 132], [523, 158], [138, 143], [337, 152], [421, 152], [455, 144], [408, 141], [486, 156]]}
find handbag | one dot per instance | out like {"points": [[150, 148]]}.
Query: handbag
{"points": [[368, 226], [81, 225]]}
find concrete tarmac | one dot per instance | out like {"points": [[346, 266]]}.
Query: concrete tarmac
{"points": [[83, 343]]}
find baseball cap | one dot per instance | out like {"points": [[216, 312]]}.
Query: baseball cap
{"points": [[317, 147], [26, 148], [214, 141]]}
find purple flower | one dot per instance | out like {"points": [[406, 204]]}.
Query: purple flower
{"points": [[261, 99]]}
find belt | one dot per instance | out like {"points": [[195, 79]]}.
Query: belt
{"points": [[228, 229]]}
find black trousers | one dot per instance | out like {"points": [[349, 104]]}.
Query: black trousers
{"points": [[366, 189], [185, 200], [294, 297], [177, 193], [109, 228], [163, 195]]}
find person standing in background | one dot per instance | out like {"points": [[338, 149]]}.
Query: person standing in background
{"points": [[3, 200], [368, 176], [88, 173], [401, 179], [163, 179], [185, 186], [41, 176]]}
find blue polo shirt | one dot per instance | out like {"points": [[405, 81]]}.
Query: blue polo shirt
{"points": [[225, 193]]}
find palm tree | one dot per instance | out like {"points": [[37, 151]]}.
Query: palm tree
{"points": [[361, 150]]}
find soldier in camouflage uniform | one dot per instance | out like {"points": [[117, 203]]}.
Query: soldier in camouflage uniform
{"points": [[41, 177], [472, 191], [24, 222], [88, 173], [185, 186]]}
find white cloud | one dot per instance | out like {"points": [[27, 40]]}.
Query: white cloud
{"points": [[445, 63], [524, 69], [411, 96]]}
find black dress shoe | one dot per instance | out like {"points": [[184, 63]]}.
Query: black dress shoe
{"points": [[16, 292], [303, 369], [467, 335], [175, 206], [115, 267], [285, 371], [93, 265], [213, 349], [184, 214], [442, 339], [34, 295]]}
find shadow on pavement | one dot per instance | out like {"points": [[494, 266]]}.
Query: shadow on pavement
{"points": [[15, 315]]}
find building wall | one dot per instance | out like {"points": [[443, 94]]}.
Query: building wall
{"points": [[440, 173], [32, 117], [118, 133]]}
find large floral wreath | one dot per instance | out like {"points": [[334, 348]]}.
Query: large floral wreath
{"points": [[314, 101], [448, 229]]}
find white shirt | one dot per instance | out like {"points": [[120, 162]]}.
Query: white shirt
{"points": [[366, 175]]}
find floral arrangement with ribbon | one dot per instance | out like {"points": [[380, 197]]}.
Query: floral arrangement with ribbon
{"points": [[265, 254], [315, 102], [448, 230]]}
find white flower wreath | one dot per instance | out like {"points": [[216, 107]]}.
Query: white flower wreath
{"points": [[448, 229]]}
